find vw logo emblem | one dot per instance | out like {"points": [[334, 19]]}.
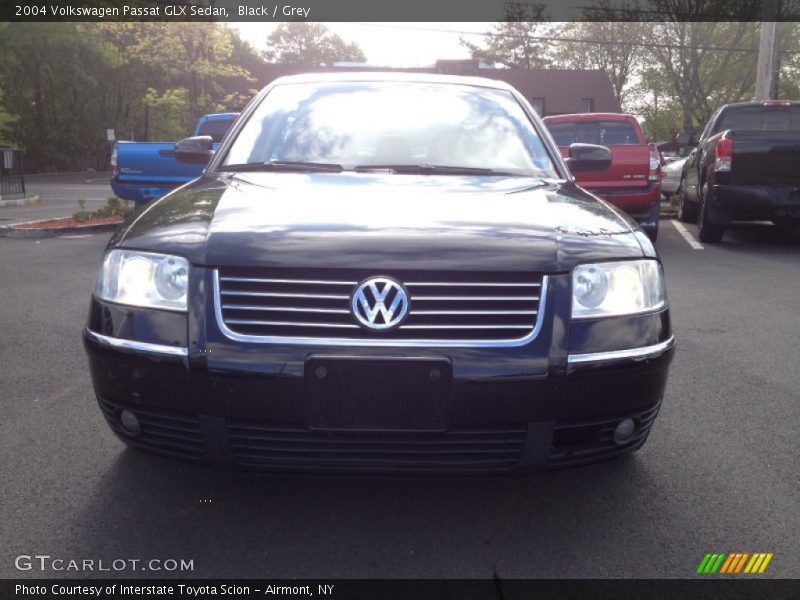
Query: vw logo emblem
{"points": [[380, 303]]}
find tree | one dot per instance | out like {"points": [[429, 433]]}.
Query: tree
{"points": [[789, 80], [6, 121], [652, 98], [72, 81], [6, 118], [706, 64], [196, 57], [517, 42], [602, 45], [310, 45]]}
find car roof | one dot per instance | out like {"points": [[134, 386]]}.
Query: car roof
{"points": [[591, 117], [763, 103], [220, 116], [389, 76]]}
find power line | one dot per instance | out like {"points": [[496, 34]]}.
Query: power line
{"points": [[538, 38]]}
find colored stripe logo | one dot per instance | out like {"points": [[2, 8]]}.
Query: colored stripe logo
{"points": [[734, 563]]}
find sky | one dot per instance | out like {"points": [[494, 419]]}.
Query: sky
{"points": [[390, 44]]}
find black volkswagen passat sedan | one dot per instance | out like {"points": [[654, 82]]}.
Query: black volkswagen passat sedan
{"points": [[382, 273]]}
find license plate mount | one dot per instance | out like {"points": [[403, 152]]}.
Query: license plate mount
{"points": [[377, 394]]}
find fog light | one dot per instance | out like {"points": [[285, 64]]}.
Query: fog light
{"points": [[130, 423], [624, 431]]}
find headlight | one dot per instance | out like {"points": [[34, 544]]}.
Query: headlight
{"points": [[144, 279], [617, 288]]}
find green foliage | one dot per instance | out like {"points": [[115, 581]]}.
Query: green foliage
{"points": [[6, 123], [672, 73], [702, 74], [514, 45], [147, 81], [113, 208], [169, 117], [309, 44], [604, 48], [63, 84]]}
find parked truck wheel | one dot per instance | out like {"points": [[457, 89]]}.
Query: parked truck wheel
{"points": [[708, 232], [687, 210], [651, 228], [652, 233]]}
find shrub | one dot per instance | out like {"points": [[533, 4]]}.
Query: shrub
{"points": [[113, 208]]}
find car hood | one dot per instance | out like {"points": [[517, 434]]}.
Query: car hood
{"points": [[382, 221]]}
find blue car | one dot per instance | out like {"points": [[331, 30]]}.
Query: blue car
{"points": [[144, 171]]}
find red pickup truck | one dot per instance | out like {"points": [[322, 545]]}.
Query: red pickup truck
{"points": [[633, 182]]}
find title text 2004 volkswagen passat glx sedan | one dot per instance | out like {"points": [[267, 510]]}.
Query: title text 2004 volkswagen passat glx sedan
{"points": [[378, 273]]}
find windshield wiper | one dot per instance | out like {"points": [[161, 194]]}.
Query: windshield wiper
{"points": [[283, 165], [427, 169]]}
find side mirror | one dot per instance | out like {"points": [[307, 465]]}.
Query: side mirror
{"points": [[588, 157], [194, 150]]}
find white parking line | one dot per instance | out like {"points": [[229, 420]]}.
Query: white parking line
{"points": [[687, 236]]}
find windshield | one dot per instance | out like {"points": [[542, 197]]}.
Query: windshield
{"points": [[604, 133], [392, 124], [754, 118], [216, 129]]}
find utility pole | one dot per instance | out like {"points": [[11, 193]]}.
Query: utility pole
{"points": [[768, 59]]}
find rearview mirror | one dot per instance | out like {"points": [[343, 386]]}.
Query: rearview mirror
{"points": [[588, 157], [194, 150]]}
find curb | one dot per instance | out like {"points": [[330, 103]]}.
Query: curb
{"points": [[68, 173], [10, 231], [20, 201]]}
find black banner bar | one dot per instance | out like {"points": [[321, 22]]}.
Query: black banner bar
{"points": [[398, 11], [402, 589]]}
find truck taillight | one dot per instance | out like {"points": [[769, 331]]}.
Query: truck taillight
{"points": [[774, 103], [654, 169], [724, 154], [114, 165]]}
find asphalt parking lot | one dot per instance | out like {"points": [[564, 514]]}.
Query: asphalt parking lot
{"points": [[59, 194], [719, 472]]}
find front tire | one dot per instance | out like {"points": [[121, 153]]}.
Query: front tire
{"points": [[708, 232], [687, 210], [649, 223], [652, 233]]}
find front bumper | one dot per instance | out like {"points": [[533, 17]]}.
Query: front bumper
{"points": [[553, 402]]}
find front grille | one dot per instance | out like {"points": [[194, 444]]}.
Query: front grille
{"points": [[586, 441], [451, 308], [272, 446], [172, 433]]}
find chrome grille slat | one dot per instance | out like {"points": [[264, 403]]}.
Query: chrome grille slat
{"points": [[298, 281], [475, 298], [286, 309], [446, 309], [465, 327], [283, 295], [289, 323], [472, 312], [475, 284]]}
